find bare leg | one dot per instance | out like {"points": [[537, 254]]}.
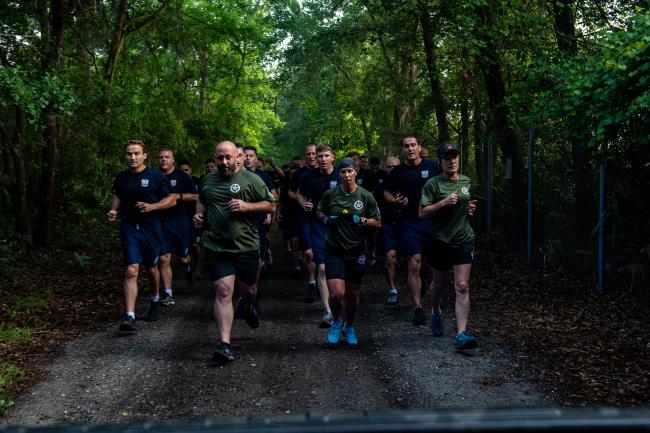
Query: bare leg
{"points": [[390, 259], [438, 284], [308, 259], [130, 285], [223, 312], [164, 264], [352, 298], [322, 286], [461, 284], [337, 292], [413, 280]]}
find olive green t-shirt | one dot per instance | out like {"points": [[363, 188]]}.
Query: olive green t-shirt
{"points": [[450, 225], [344, 233], [228, 231]]}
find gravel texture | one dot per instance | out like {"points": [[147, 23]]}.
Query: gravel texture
{"points": [[283, 367]]}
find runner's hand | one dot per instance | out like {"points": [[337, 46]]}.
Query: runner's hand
{"points": [[308, 206], [237, 205], [197, 220], [268, 219], [401, 200], [144, 207], [472, 207], [451, 199], [329, 220], [112, 215]]}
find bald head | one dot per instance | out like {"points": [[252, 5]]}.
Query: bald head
{"points": [[226, 156]]}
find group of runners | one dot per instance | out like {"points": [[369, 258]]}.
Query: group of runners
{"points": [[334, 218]]}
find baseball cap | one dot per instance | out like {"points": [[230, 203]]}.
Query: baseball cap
{"points": [[446, 148]]}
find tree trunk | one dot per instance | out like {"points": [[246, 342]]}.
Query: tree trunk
{"points": [[463, 138], [54, 42], [490, 66], [583, 172], [479, 160], [117, 42], [203, 70], [21, 207], [434, 76]]}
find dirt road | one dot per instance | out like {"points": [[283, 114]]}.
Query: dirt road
{"points": [[283, 367]]}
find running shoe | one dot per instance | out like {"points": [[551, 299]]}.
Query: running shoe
{"points": [[465, 341], [127, 326], [309, 294], [419, 318], [166, 300], [392, 297], [334, 333], [350, 336], [154, 311], [223, 354], [327, 319], [437, 327], [252, 317]]}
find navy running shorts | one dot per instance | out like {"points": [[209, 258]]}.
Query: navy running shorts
{"points": [[441, 256], [389, 237], [348, 265], [141, 243], [176, 236], [243, 265], [414, 235]]}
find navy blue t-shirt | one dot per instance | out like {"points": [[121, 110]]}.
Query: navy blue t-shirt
{"points": [[408, 180], [148, 186], [366, 179], [266, 178], [297, 176], [389, 212], [180, 183], [314, 184]]}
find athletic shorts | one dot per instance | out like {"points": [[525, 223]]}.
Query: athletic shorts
{"points": [[414, 235], [314, 231], [304, 231], [388, 236], [348, 265], [196, 233], [141, 243], [176, 236], [263, 230], [441, 256], [243, 265]]}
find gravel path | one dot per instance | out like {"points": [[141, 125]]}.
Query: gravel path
{"points": [[164, 372]]}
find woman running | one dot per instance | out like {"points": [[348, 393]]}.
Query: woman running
{"points": [[346, 210]]}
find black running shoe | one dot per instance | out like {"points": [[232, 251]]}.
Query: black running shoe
{"points": [[166, 300], [252, 317], [419, 318], [309, 294], [154, 311], [127, 326], [223, 354]]}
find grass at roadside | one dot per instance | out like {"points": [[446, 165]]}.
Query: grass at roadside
{"points": [[8, 375]]}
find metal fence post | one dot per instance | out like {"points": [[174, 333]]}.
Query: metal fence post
{"points": [[488, 196], [529, 244], [601, 228]]}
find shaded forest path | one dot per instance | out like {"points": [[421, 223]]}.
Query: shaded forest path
{"points": [[283, 367]]}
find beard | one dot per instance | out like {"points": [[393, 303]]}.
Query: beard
{"points": [[225, 170]]}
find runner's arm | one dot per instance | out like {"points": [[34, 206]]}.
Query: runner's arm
{"points": [[115, 206]]}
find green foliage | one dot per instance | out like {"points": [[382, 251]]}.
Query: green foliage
{"points": [[8, 375], [11, 334]]}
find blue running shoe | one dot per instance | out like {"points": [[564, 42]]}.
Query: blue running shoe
{"points": [[465, 341], [334, 333], [437, 327], [350, 336]]}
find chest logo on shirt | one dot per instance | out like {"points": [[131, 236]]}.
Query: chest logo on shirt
{"points": [[332, 183], [425, 174], [144, 183], [358, 204], [465, 190], [173, 182], [235, 187]]}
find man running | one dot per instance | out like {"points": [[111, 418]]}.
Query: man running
{"points": [[230, 200], [388, 235], [404, 188], [305, 237], [196, 232], [139, 193], [346, 210], [176, 223], [312, 187]]}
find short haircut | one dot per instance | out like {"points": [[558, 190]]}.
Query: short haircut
{"points": [[184, 162], [238, 145], [209, 160], [352, 153], [401, 142], [165, 149], [322, 147], [311, 144], [296, 158], [134, 142], [251, 148], [374, 160]]}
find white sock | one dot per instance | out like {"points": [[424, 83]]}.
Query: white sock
{"points": [[131, 314], [169, 292], [155, 298]]}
